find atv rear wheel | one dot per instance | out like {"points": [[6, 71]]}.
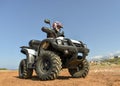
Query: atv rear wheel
{"points": [[24, 72], [81, 70], [48, 65]]}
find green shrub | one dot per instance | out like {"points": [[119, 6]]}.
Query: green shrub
{"points": [[3, 68], [112, 61]]}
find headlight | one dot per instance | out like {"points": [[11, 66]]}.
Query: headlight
{"points": [[59, 42]]}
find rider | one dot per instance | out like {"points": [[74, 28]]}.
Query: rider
{"points": [[55, 32]]}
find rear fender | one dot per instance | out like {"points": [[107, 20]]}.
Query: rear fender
{"points": [[28, 51], [30, 55]]}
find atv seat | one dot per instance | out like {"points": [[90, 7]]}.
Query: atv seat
{"points": [[34, 44]]}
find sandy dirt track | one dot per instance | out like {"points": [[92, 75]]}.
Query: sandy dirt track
{"points": [[98, 76]]}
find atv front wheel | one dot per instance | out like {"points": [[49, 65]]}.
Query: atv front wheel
{"points": [[48, 65], [81, 70], [24, 72]]}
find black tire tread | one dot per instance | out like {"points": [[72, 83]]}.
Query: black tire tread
{"points": [[54, 69], [25, 73], [82, 73]]}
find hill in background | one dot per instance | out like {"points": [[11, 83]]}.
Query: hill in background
{"points": [[112, 61], [108, 61]]}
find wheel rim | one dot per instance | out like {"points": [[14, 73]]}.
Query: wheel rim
{"points": [[79, 67], [46, 64]]}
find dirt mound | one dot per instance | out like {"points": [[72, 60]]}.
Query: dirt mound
{"points": [[98, 76]]}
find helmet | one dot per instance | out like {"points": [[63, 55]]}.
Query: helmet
{"points": [[57, 25]]}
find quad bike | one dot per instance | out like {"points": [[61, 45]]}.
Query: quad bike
{"points": [[49, 56]]}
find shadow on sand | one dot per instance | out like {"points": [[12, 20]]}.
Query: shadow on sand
{"points": [[35, 78]]}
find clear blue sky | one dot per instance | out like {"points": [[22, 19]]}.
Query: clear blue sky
{"points": [[95, 22]]}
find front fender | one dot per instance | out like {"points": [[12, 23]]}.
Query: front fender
{"points": [[30, 56]]}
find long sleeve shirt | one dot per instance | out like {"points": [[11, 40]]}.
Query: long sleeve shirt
{"points": [[51, 32]]}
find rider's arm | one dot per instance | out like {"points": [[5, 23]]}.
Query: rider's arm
{"points": [[45, 29], [62, 34], [50, 32]]}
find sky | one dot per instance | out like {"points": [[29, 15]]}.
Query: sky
{"points": [[94, 22]]}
